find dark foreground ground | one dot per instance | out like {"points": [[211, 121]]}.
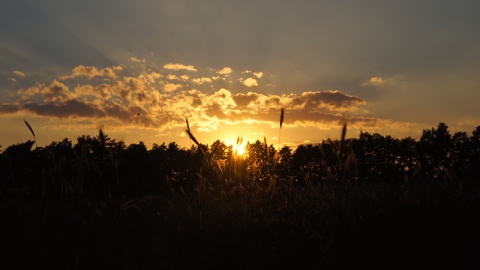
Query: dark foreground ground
{"points": [[147, 234]]}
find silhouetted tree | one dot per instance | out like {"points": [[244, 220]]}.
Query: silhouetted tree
{"points": [[133, 170], [259, 160], [435, 146], [307, 161], [284, 163], [461, 152], [220, 151], [18, 162], [475, 154]]}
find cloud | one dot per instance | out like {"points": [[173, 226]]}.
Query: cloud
{"points": [[374, 81], [174, 77], [70, 108], [92, 71], [137, 60], [55, 92], [225, 71], [332, 100], [202, 80], [258, 74], [147, 101], [255, 74], [224, 99], [19, 73], [100, 92], [179, 67], [150, 77], [11, 80], [250, 82], [243, 100], [170, 87]]}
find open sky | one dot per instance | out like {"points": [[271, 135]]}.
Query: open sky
{"points": [[137, 69]]}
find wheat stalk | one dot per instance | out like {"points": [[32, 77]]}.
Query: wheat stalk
{"points": [[191, 135], [278, 144], [31, 130]]}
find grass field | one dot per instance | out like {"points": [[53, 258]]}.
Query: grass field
{"points": [[371, 202]]}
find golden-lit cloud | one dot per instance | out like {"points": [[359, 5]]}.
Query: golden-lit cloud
{"points": [[150, 77], [99, 92], [92, 71], [53, 93], [250, 82], [137, 60], [170, 87], [146, 100], [375, 81], [11, 80], [202, 80], [179, 67], [19, 73], [225, 71], [259, 74], [174, 77]]}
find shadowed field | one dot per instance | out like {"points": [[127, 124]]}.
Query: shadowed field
{"points": [[369, 202]]}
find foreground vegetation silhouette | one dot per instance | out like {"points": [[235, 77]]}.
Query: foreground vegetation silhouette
{"points": [[371, 201]]}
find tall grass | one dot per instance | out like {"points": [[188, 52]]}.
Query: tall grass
{"points": [[226, 220], [31, 130]]}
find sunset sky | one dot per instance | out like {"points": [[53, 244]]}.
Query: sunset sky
{"points": [[137, 69]]}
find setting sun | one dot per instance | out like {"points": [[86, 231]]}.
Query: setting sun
{"points": [[239, 149], [238, 145]]}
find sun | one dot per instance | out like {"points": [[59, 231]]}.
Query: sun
{"points": [[238, 145], [239, 149]]}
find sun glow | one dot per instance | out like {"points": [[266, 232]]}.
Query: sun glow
{"points": [[239, 149], [238, 145]]}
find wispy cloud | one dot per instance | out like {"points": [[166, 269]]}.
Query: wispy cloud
{"points": [[174, 77], [202, 80], [92, 71], [259, 74], [137, 60], [19, 73], [179, 67]]}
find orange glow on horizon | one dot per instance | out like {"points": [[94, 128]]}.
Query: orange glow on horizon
{"points": [[238, 145], [239, 149]]}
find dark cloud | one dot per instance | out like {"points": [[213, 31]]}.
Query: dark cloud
{"points": [[243, 100], [118, 112], [9, 108], [68, 109], [215, 110], [197, 102], [333, 100]]}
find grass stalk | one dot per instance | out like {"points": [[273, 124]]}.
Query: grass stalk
{"points": [[31, 130]]}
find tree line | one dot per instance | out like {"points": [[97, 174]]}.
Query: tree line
{"points": [[99, 165]]}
